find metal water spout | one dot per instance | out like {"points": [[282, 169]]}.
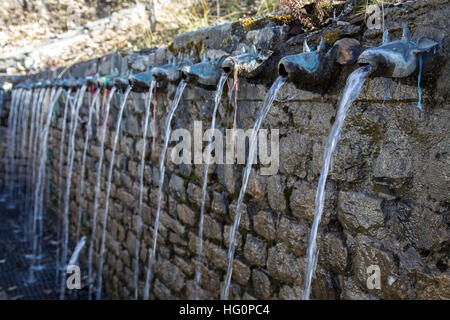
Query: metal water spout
{"points": [[205, 74], [170, 72], [248, 64], [309, 67], [107, 82], [78, 83], [140, 82], [398, 59], [59, 83], [121, 82], [91, 81]]}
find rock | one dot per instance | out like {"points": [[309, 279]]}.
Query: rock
{"points": [[351, 291], [257, 185], [264, 225], [275, 193], [393, 165], [176, 185], [302, 200], [367, 254], [186, 214], [293, 150], [140, 64], [433, 287], [423, 228], [294, 235], [140, 146], [255, 251], [237, 240], [348, 50], [219, 205], [288, 293], [211, 37], [245, 221], [131, 126], [131, 242], [333, 253], [161, 291], [212, 228], [261, 284], [216, 255], [284, 265], [170, 274], [359, 213], [194, 193], [264, 38], [241, 272], [322, 287]]}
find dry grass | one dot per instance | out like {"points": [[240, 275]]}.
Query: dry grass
{"points": [[178, 16]]}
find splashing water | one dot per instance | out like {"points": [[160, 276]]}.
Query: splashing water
{"points": [[173, 108], [76, 252], [108, 191], [97, 190], [71, 153], [353, 87], [252, 149], [83, 162], [141, 186], [220, 85]]}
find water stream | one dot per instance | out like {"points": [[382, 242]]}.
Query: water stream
{"points": [[108, 191], [39, 187], [71, 153], [172, 110], [219, 89], [353, 87], [141, 186], [252, 149], [60, 187], [83, 162], [97, 190]]}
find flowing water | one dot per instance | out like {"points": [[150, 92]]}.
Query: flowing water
{"points": [[97, 191], [60, 175], [71, 157], [34, 161], [220, 85], [76, 252], [172, 110], [353, 87], [39, 187], [12, 120], [141, 186], [6, 157], [31, 135], [22, 172], [252, 149], [108, 190], [83, 162]]}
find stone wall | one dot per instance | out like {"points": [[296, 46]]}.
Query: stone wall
{"points": [[387, 198]]}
